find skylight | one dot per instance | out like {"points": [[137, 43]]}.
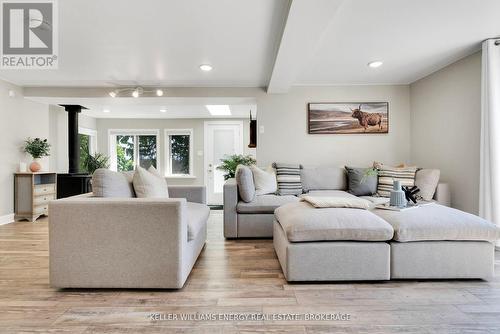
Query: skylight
{"points": [[219, 109]]}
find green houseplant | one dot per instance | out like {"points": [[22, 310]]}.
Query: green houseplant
{"points": [[230, 163], [93, 162], [37, 148]]}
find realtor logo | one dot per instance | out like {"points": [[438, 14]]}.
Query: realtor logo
{"points": [[29, 34]]}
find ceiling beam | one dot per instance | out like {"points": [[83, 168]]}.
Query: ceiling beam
{"points": [[306, 22]]}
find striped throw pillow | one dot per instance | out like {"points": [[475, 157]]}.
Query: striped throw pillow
{"points": [[288, 178], [387, 175]]}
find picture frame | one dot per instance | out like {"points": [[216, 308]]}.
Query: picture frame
{"points": [[348, 117]]}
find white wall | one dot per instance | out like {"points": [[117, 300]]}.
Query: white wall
{"points": [[19, 119], [103, 125], [58, 120], [445, 127], [284, 117]]}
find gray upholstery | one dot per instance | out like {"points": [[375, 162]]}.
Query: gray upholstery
{"points": [[246, 186], [331, 261], [302, 222], [359, 183], [107, 183], [230, 215], [197, 217], [437, 222], [442, 259], [258, 225], [123, 242], [323, 178], [195, 194], [265, 203]]}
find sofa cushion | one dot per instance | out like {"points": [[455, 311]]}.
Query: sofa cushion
{"points": [[361, 182], [265, 203], [264, 180], [197, 216], [387, 175], [427, 181], [302, 222], [323, 178], [107, 183], [288, 178], [149, 183], [438, 222], [328, 193], [244, 180]]}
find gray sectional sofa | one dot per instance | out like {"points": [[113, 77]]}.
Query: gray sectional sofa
{"points": [[255, 219], [118, 242], [433, 241]]}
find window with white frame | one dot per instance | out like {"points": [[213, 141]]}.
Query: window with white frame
{"points": [[179, 152], [128, 148]]}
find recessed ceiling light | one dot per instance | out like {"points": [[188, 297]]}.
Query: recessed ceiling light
{"points": [[206, 67], [112, 93], [219, 109], [106, 110], [375, 64], [159, 92], [135, 93], [163, 110]]}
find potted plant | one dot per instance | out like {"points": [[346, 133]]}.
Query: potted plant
{"points": [[96, 161], [230, 163], [37, 148]]}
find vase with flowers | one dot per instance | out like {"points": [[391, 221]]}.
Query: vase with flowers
{"points": [[37, 148]]}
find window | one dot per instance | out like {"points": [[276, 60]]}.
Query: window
{"points": [[131, 147], [179, 152], [88, 145]]}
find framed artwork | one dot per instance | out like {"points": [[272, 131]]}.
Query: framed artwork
{"points": [[348, 118]]}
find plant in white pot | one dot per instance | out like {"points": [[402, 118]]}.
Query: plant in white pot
{"points": [[37, 148]]}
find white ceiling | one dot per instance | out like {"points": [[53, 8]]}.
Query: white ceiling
{"points": [[162, 42], [260, 43], [149, 107]]}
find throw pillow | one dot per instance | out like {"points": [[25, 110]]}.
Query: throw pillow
{"points": [[264, 180], [149, 183], [244, 181], [288, 178], [387, 175], [107, 183], [360, 182], [427, 181]]}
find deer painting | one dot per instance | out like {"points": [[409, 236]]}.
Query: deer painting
{"points": [[367, 119]]}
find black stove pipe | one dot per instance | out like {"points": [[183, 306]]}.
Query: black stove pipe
{"points": [[73, 138]]}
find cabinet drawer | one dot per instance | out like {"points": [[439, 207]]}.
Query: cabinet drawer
{"points": [[42, 189], [42, 209], [44, 199]]}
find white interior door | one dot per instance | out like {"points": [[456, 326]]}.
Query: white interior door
{"points": [[221, 139]]}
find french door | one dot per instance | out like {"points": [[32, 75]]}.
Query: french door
{"points": [[222, 138]]}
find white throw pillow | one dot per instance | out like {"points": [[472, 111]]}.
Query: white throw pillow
{"points": [[149, 183], [264, 180]]}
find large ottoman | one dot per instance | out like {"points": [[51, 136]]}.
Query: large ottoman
{"points": [[438, 242], [331, 244]]}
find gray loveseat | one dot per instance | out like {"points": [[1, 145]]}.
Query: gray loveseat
{"points": [[255, 219], [127, 242]]}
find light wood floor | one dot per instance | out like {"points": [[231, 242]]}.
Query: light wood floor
{"points": [[231, 277]]}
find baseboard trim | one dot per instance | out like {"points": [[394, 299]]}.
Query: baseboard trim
{"points": [[7, 219]]}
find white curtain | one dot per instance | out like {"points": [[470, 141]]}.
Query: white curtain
{"points": [[489, 184]]}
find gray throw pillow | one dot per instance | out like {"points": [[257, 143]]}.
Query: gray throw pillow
{"points": [[106, 183], [244, 180], [360, 183]]}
